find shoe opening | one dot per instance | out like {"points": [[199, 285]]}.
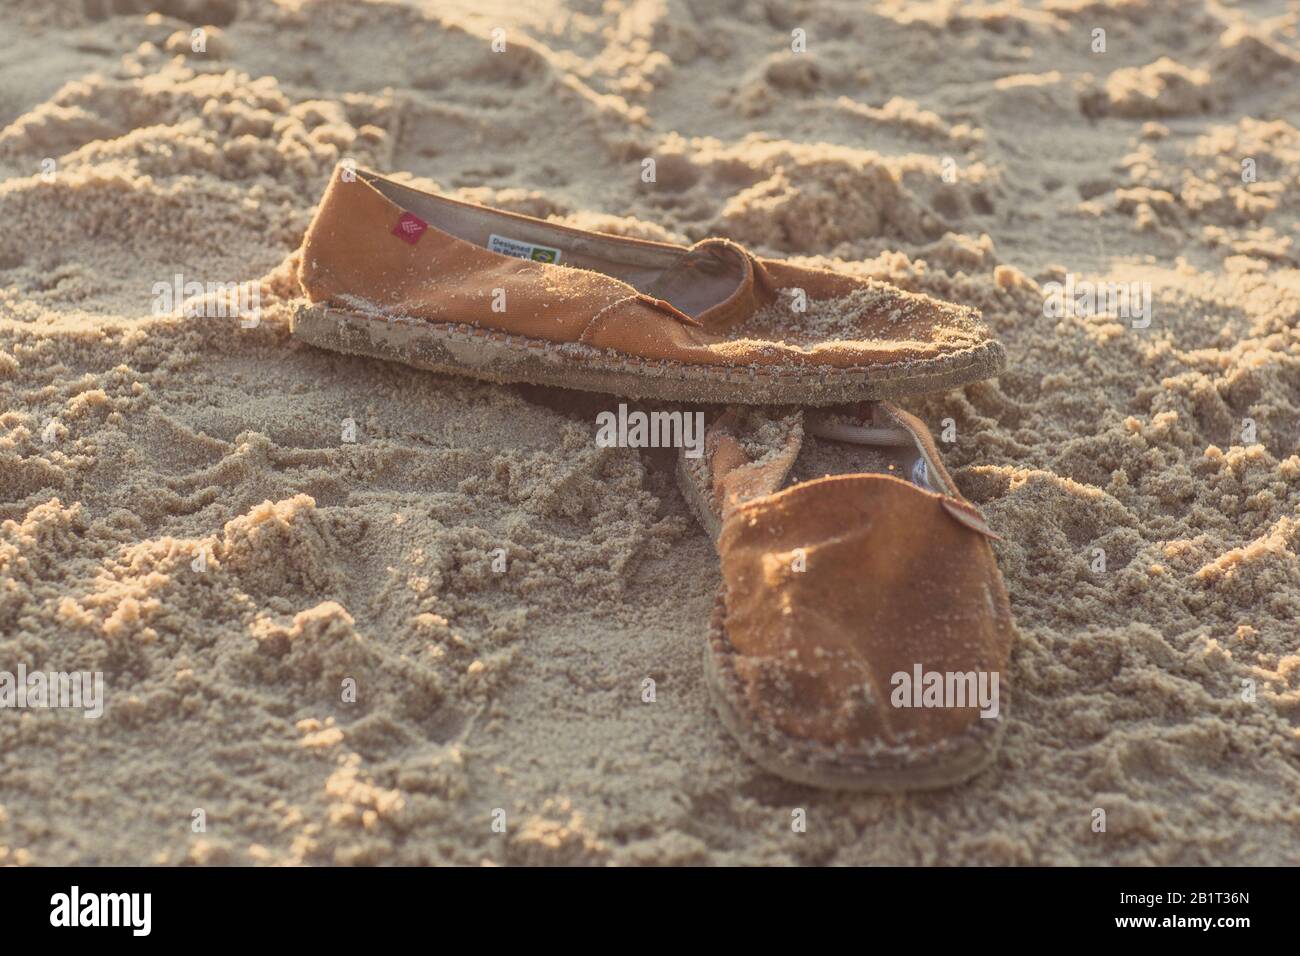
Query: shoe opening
{"points": [[693, 280]]}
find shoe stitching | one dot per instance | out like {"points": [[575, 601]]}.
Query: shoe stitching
{"points": [[588, 327]]}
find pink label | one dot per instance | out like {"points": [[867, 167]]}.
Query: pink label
{"points": [[410, 227]]}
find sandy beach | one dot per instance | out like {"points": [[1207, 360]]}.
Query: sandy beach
{"points": [[231, 525]]}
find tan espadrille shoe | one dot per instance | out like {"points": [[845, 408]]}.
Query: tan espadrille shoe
{"points": [[861, 637], [394, 272]]}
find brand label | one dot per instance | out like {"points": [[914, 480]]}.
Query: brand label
{"points": [[410, 228], [522, 250]]}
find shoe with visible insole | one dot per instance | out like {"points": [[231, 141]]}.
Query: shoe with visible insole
{"points": [[394, 272], [861, 637]]}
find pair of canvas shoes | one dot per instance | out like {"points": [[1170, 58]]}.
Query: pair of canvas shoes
{"points": [[862, 631]]}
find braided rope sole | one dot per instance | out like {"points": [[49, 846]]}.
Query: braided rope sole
{"points": [[497, 356]]}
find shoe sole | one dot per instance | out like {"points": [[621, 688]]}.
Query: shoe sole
{"points": [[880, 770], [500, 357]]}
